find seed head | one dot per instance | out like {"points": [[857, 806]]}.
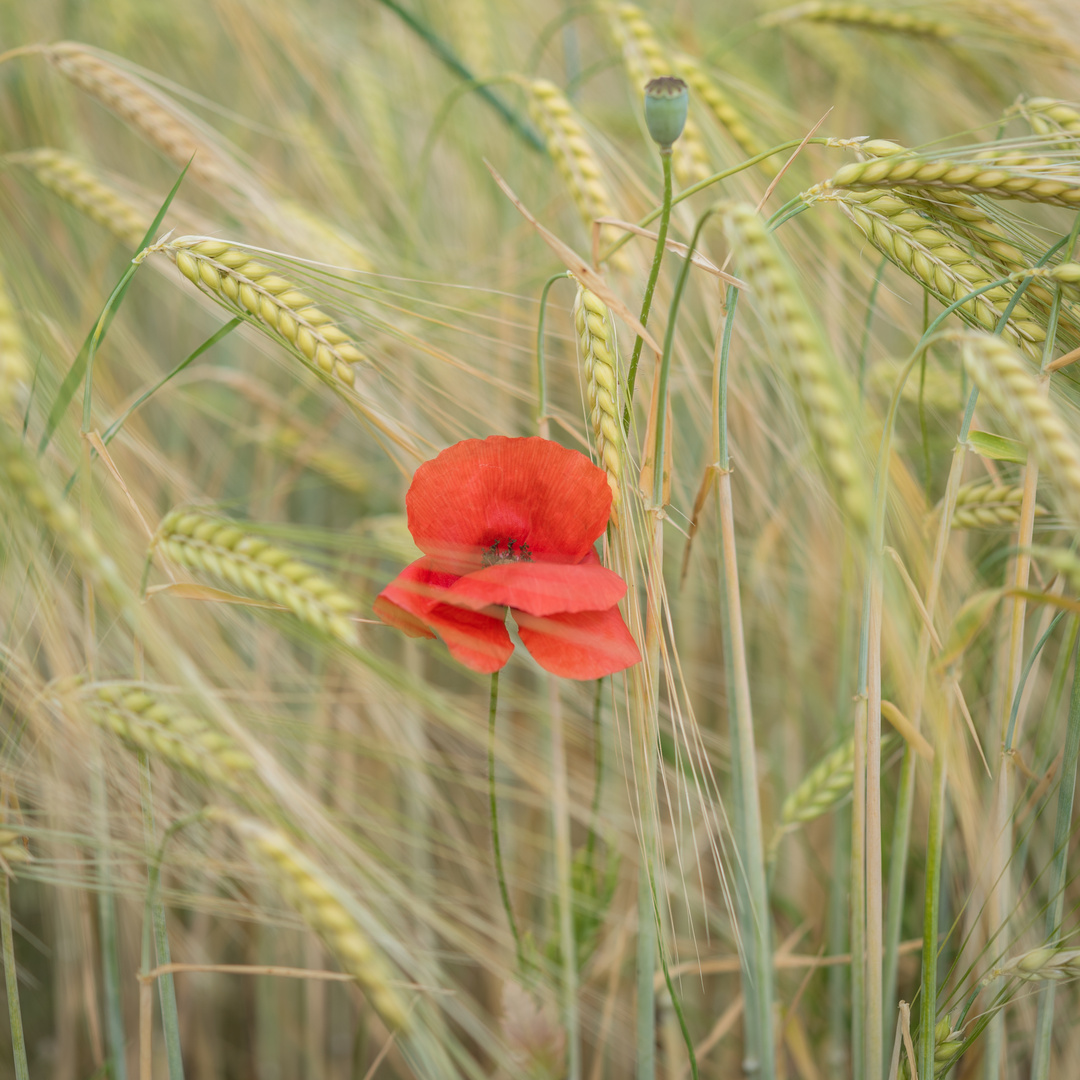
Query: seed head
{"points": [[666, 102]]}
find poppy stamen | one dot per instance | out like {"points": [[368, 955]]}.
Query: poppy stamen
{"points": [[494, 554]]}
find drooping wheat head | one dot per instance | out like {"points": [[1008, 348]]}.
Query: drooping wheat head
{"points": [[983, 505]]}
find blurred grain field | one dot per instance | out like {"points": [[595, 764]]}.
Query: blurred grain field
{"points": [[256, 266]]}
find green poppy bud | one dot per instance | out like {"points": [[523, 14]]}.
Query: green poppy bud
{"points": [[666, 101]]}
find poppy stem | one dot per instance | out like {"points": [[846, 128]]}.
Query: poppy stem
{"points": [[543, 421], [650, 285], [499, 871]]}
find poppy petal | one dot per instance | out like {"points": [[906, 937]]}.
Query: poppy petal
{"points": [[412, 602], [484, 492], [587, 645], [540, 588]]}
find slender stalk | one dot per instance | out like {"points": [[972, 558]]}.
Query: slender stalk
{"points": [[504, 892], [560, 812], [934, 840], [18, 1039], [650, 285], [858, 856], [1040, 1065], [543, 421]]}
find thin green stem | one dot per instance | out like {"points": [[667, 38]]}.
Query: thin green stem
{"points": [[934, 841], [650, 285], [1040, 1065], [871, 307], [18, 1038], [542, 418], [598, 775], [504, 892]]}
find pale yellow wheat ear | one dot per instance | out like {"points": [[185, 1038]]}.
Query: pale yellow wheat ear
{"points": [[14, 368], [247, 287], [179, 135], [259, 569], [328, 908], [818, 381], [144, 721], [865, 17], [983, 505], [568, 145], [598, 350], [1050, 117], [1006, 380], [645, 59]]}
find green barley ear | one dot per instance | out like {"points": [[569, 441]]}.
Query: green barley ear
{"points": [[666, 103], [257, 568], [326, 906], [1047, 964], [818, 382], [983, 506], [598, 350], [187, 742]]}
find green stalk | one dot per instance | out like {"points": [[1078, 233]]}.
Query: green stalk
{"points": [[650, 285], [18, 1039], [934, 840], [542, 419], [170, 1019], [1040, 1065], [504, 892]]}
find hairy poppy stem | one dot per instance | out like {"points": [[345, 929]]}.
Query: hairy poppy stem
{"points": [[543, 421], [499, 871]]}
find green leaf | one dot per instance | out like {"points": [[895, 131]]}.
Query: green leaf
{"points": [[997, 447]]}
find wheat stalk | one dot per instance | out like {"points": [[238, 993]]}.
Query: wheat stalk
{"points": [[14, 370], [251, 564], [983, 505], [928, 253], [1004, 378], [180, 738], [598, 350], [575, 159], [325, 906], [247, 287], [645, 59], [864, 17], [815, 378]]}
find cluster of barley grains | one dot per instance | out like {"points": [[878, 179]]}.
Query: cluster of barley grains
{"points": [[598, 350], [1005, 379], [646, 59], [864, 17], [258, 568], [1050, 117], [325, 906], [983, 505], [14, 369], [948, 1042], [726, 115], [248, 287], [925, 251], [181, 739], [964, 216], [1045, 964], [174, 131], [1038, 183], [575, 159], [816, 377], [20, 472]]}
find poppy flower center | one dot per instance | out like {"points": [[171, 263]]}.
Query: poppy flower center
{"points": [[499, 552]]}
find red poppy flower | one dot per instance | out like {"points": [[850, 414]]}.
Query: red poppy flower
{"points": [[511, 523]]}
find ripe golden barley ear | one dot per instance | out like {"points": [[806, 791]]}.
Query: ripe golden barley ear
{"points": [[256, 292], [983, 506], [326, 906], [1050, 117], [259, 569], [645, 59], [14, 369], [574, 157], [141, 719], [817, 380], [1006, 381], [598, 350]]}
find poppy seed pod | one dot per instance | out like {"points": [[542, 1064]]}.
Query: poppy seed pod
{"points": [[666, 102]]}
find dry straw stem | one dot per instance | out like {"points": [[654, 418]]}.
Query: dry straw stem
{"points": [[325, 906], [646, 59], [598, 350], [864, 17], [1042, 964], [1005, 379], [815, 377], [20, 472], [705, 87], [183, 740], [257, 568], [575, 159], [1002, 176], [926, 252], [174, 131], [73, 181], [14, 370], [983, 505], [255, 291]]}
